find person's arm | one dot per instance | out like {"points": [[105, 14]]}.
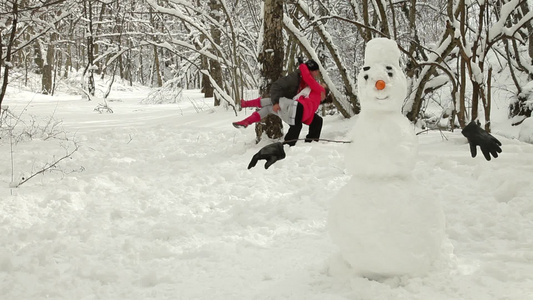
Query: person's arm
{"points": [[476, 136], [309, 80]]}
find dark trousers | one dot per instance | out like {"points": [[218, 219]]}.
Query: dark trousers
{"points": [[294, 130]]}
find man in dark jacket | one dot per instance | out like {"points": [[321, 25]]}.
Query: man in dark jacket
{"points": [[291, 84]]}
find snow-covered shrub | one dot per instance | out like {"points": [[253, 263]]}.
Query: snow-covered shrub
{"points": [[170, 92], [522, 106], [526, 131]]}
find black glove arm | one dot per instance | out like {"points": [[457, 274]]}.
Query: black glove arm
{"points": [[253, 162], [476, 136], [271, 153]]}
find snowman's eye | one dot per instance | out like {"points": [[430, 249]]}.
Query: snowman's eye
{"points": [[366, 77], [366, 68], [390, 74]]}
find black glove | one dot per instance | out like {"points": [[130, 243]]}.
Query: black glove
{"points": [[271, 153], [478, 137], [300, 60]]}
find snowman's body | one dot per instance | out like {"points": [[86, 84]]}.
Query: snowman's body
{"points": [[382, 221], [374, 137]]}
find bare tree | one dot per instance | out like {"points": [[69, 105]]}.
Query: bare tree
{"points": [[26, 20], [5, 60], [88, 72], [475, 46], [270, 58], [215, 69], [333, 51], [520, 107], [48, 65]]}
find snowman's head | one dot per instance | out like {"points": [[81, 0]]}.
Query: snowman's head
{"points": [[381, 83]]}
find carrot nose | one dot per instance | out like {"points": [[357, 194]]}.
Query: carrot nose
{"points": [[380, 84]]}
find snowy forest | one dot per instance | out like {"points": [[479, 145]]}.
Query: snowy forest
{"points": [[453, 50]]}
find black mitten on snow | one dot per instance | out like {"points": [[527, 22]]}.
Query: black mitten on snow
{"points": [[476, 136], [271, 153]]}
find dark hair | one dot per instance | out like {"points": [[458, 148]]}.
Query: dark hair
{"points": [[311, 65], [329, 96]]}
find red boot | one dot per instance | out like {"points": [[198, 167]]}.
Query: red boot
{"points": [[253, 118], [251, 103]]}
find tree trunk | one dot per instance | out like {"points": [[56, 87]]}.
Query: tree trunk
{"points": [[207, 87], [271, 61], [68, 62], [47, 80], [367, 36], [38, 57], [156, 70], [91, 87], [214, 66], [487, 103], [139, 69], [380, 13], [7, 59], [155, 74], [461, 114]]}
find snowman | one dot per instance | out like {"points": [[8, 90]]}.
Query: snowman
{"points": [[382, 222]]}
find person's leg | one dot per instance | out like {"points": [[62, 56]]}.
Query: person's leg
{"points": [[265, 110], [251, 103], [294, 130], [257, 102], [256, 116], [253, 118], [265, 102], [314, 129]]}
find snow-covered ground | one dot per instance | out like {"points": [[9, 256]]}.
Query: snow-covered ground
{"points": [[157, 203]]}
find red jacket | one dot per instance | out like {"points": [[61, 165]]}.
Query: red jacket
{"points": [[312, 102]]}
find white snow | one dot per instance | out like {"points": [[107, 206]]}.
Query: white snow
{"points": [[158, 204], [526, 131]]}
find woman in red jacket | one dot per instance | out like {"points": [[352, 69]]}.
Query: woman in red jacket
{"points": [[306, 108]]}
